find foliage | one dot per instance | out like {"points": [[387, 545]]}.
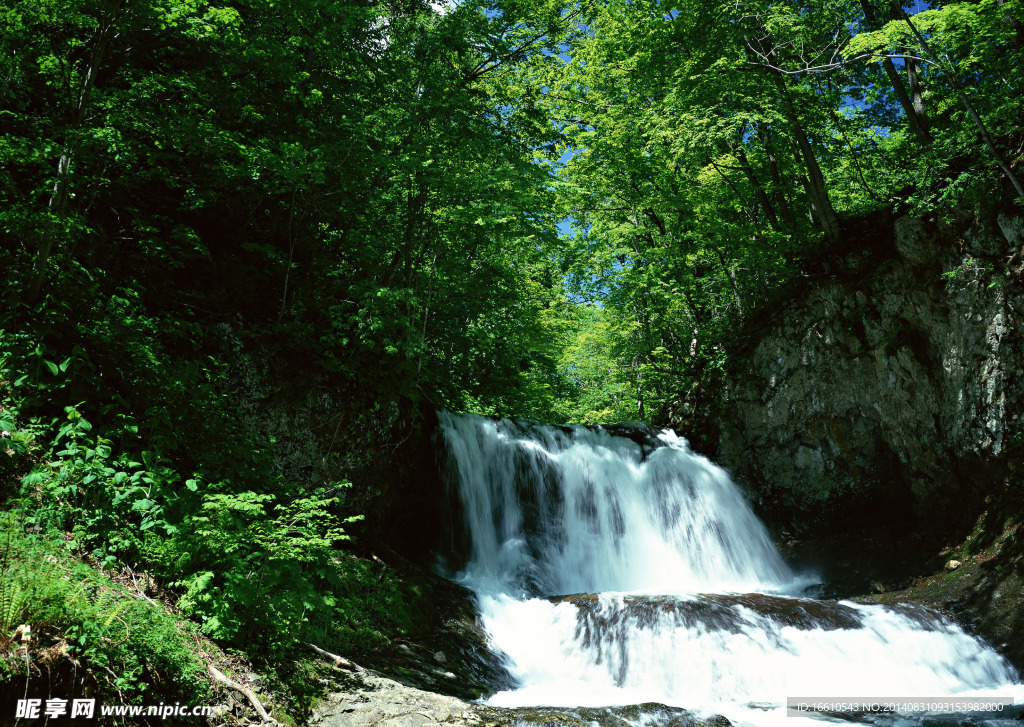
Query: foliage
{"points": [[367, 192], [125, 645], [239, 559], [350, 185], [709, 149], [597, 377]]}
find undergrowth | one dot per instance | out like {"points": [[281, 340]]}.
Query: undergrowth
{"points": [[119, 479], [64, 624]]}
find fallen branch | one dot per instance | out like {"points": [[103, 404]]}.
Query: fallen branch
{"points": [[218, 676], [338, 660], [139, 592]]}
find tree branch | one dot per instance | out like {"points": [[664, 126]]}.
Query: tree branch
{"points": [[218, 676]]}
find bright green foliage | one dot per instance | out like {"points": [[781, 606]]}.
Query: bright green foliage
{"points": [[716, 150], [126, 645], [354, 178], [238, 558], [348, 186], [596, 379], [251, 561], [966, 53]]}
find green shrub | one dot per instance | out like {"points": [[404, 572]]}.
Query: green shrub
{"points": [[128, 645]]}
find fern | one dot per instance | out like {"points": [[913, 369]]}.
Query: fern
{"points": [[12, 601]]}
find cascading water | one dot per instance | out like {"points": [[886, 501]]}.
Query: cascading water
{"points": [[617, 570]]}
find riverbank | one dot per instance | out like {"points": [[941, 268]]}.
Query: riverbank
{"points": [[978, 581], [369, 700]]}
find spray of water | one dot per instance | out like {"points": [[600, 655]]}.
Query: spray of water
{"points": [[663, 543]]}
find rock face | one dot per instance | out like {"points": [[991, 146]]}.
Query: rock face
{"points": [[890, 388], [317, 435]]}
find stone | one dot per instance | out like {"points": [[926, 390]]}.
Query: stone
{"points": [[914, 240], [1012, 229], [953, 564], [373, 700], [911, 417]]}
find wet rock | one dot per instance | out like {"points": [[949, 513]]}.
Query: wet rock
{"points": [[450, 656], [371, 699], [649, 713], [724, 612], [376, 700]]}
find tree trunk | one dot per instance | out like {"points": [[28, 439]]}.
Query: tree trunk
{"points": [[730, 270], [785, 211], [58, 204], [966, 103], [759, 191], [916, 118], [821, 205], [749, 215], [1018, 26], [639, 388], [920, 118]]}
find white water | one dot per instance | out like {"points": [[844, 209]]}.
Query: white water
{"points": [[556, 511]]}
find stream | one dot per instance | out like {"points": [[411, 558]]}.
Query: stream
{"points": [[617, 567]]}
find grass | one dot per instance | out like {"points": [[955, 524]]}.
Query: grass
{"points": [[69, 630]]}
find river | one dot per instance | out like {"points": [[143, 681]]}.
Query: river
{"points": [[619, 567]]}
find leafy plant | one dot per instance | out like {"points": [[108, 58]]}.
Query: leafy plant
{"points": [[126, 646]]}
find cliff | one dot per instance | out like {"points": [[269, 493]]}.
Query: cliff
{"points": [[888, 390]]}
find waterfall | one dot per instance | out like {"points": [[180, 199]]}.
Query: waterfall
{"points": [[614, 570]]}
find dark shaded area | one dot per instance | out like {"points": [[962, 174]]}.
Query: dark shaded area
{"points": [[854, 564], [985, 594], [405, 496], [447, 651]]}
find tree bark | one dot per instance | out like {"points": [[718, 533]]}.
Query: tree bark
{"points": [[913, 76], [730, 270], [1018, 26], [759, 191], [966, 103], [785, 211], [639, 388]]}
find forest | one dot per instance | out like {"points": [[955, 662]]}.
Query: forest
{"points": [[562, 210]]}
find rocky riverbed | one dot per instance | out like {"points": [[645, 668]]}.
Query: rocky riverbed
{"points": [[373, 700]]}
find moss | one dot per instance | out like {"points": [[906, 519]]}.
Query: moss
{"points": [[90, 635]]}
